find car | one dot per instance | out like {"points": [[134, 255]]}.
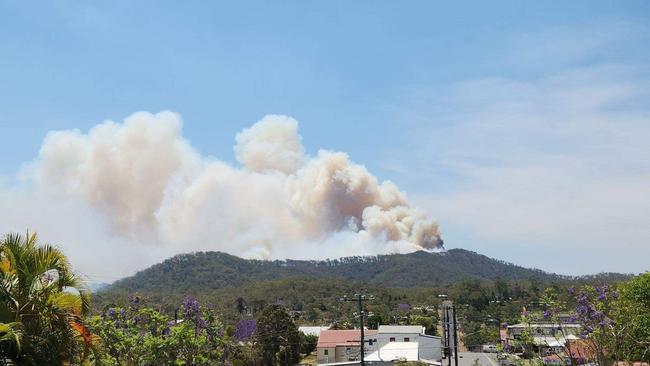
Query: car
{"points": [[489, 348]]}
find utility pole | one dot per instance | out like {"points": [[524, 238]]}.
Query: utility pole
{"points": [[453, 310], [360, 298], [450, 328], [447, 335]]}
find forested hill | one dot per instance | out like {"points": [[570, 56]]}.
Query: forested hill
{"points": [[205, 271]]}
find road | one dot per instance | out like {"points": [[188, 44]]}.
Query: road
{"points": [[469, 359]]}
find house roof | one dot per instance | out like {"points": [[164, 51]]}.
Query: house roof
{"points": [[582, 348], [549, 341], [333, 338], [405, 351], [417, 329], [544, 325], [310, 330]]}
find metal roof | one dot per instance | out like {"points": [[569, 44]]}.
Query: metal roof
{"points": [[332, 338], [417, 329], [403, 351]]}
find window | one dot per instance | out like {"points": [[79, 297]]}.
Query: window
{"points": [[392, 339], [326, 352], [407, 339]]}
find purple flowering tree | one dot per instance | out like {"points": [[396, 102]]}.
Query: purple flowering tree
{"points": [[604, 336], [245, 329], [140, 335]]}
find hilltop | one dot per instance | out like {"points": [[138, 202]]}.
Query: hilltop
{"points": [[205, 271]]}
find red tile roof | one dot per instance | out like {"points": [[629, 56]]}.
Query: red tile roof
{"points": [[333, 338], [582, 349]]}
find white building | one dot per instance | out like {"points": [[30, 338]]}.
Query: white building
{"points": [[407, 343], [311, 330]]}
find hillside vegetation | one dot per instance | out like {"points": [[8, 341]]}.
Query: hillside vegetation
{"points": [[205, 271]]}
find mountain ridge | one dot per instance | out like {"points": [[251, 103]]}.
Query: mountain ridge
{"points": [[216, 270]]}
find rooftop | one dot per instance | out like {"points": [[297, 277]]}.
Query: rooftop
{"points": [[348, 337], [417, 329], [404, 351], [312, 330], [545, 325]]}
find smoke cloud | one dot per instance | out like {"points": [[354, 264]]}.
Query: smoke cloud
{"points": [[146, 187]]}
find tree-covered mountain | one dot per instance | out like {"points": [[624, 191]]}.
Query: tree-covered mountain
{"points": [[206, 271]]}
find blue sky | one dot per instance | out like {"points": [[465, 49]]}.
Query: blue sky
{"points": [[521, 126]]}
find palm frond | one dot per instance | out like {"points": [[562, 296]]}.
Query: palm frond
{"points": [[11, 332]]}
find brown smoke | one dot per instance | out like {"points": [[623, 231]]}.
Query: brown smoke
{"points": [[150, 183]]}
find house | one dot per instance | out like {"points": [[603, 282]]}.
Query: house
{"points": [[388, 343], [548, 338], [582, 351], [395, 351], [428, 347], [342, 345]]}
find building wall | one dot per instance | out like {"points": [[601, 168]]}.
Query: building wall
{"points": [[384, 338], [321, 357], [347, 353], [429, 347]]}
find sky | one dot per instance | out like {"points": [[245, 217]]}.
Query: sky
{"points": [[522, 128]]}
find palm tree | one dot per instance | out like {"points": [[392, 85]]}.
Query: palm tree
{"points": [[42, 304]]}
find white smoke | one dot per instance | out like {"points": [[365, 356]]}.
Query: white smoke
{"points": [[272, 144], [152, 189]]}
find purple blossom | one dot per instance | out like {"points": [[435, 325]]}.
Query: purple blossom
{"points": [[504, 325], [111, 313], [547, 314], [245, 329], [602, 297], [573, 318], [403, 307], [165, 332], [191, 307], [571, 290], [201, 324]]}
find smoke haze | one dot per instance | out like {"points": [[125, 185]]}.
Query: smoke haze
{"points": [[135, 192]]}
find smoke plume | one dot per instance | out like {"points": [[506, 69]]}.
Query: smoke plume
{"points": [[151, 188]]}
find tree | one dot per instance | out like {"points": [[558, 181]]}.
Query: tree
{"points": [[632, 316], [427, 322], [278, 337], [140, 335], [42, 304], [308, 343]]}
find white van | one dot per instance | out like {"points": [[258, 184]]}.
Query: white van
{"points": [[489, 348]]}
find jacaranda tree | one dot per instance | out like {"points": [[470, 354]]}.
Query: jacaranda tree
{"points": [[136, 335]]}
